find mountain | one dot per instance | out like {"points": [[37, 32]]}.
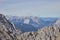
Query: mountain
{"points": [[51, 32], [9, 32], [31, 23], [7, 29]]}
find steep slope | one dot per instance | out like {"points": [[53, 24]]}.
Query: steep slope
{"points": [[7, 30]]}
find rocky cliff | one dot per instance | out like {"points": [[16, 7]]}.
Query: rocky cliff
{"points": [[7, 29], [9, 32]]}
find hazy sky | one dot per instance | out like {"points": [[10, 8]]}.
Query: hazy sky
{"points": [[40, 8]]}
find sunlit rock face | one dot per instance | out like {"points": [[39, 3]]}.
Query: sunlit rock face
{"points": [[26, 20], [58, 22]]}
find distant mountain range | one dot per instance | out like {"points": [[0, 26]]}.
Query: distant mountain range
{"points": [[26, 24]]}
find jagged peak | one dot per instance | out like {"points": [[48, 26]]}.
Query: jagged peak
{"points": [[2, 16]]}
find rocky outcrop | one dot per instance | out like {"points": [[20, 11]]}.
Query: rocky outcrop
{"points": [[7, 29]]}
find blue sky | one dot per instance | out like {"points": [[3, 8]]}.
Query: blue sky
{"points": [[40, 8]]}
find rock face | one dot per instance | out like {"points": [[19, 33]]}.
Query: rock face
{"points": [[9, 32], [7, 29]]}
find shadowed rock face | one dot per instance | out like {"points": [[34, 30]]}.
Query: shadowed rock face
{"points": [[9, 32]]}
